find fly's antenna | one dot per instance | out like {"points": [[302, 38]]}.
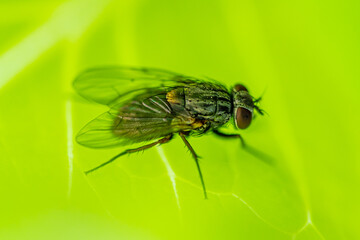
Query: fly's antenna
{"points": [[257, 101], [260, 111]]}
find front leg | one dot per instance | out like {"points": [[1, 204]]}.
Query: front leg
{"points": [[253, 151], [225, 135]]}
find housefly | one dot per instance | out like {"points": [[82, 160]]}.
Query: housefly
{"points": [[152, 105]]}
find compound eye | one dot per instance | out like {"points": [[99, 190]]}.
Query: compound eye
{"points": [[243, 118], [240, 87]]}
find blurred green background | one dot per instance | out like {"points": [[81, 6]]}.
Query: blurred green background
{"points": [[303, 54]]}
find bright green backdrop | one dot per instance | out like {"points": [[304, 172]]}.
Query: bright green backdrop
{"points": [[303, 54]]}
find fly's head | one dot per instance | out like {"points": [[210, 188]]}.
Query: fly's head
{"points": [[244, 105]]}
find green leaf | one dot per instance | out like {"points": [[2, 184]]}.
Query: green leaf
{"points": [[299, 179]]}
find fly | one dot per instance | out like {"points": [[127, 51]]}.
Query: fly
{"points": [[152, 105]]}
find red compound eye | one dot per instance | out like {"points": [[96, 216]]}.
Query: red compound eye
{"points": [[240, 87], [243, 118]]}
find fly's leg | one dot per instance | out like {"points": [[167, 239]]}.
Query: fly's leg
{"points": [[253, 151], [160, 141], [196, 158], [225, 135]]}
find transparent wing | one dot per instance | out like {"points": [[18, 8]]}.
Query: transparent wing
{"points": [[99, 132], [105, 85], [146, 117]]}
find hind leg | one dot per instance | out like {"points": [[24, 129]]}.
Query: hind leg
{"points": [[160, 141]]}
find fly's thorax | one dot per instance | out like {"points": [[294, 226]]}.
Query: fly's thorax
{"points": [[176, 96], [208, 105], [208, 101]]}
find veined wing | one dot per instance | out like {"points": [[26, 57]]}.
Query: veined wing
{"points": [[146, 117], [105, 85]]}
